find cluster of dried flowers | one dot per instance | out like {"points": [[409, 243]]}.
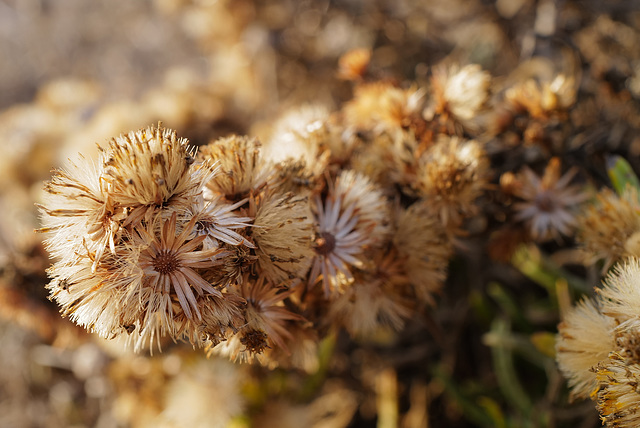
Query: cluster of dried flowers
{"points": [[247, 249], [597, 348]]}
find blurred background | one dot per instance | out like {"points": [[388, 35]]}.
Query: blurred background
{"points": [[75, 73]]}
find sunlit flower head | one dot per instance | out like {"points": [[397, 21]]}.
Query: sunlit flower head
{"points": [[152, 168], [620, 294], [79, 215], [265, 321], [460, 92], [452, 175], [242, 167], [282, 233], [219, 223], [354, 216], [549, 201], [609, 229], [585, 338], [617, 396]]}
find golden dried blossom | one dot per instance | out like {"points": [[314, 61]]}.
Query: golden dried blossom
{"points": [[381, 106], [617, 396], [282, 233], [353, 217], [541, 100], [620, 294], [265, 321], [79, 215], [549, 201], [242, 168], [586, 336], [376, 299], [452, 174], [609, 229], [152, 168], [424, 247], [460, 92]]}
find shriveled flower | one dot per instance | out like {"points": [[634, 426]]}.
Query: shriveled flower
{"points": [[541, 100], [452, 175], [217, 222], [424, 248], [353, 217], [151, 168], [585, 338], [301, 138], [168, 262], [609, 229], [266, 318], [242, 167], [460, 92], [620, 294], [382, 106], [617, 397], [282, 233], [79, 215], [376, 300], [549, 201]]}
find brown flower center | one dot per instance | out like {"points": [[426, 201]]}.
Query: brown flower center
{"points": [[255, 341], [325, 243], [545, 202], [166, 262]]}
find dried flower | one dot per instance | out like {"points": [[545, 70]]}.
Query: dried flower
{"points": [[549, 201], [609, 228], [452, 175], [460, 92], [282, 232], [620, 295], [424, 248], [218, 222], [151, 168], [617, 397], [266, 318], [242, 168], [585, 338], [353, 217], [375, 300]]}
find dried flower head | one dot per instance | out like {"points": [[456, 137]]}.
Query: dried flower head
{"points": [[452, 175], [242, 168], [424, 247], [620, 295], [541, 100], [460, 92], [354, 216], [617, 396], [152, 168], [282, 233], [382, 106], [609, 229], [375, 300], [549, 201], [79, 214], [218, 222], [585, 338], [266, 318]]}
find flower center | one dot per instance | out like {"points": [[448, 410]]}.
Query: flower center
{"points": [[165, 262], [325, 243]]}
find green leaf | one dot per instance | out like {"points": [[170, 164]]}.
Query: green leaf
{"points": [[621, 174]]}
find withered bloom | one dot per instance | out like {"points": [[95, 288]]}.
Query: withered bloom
{"points": [[549, 201]]}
